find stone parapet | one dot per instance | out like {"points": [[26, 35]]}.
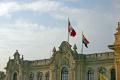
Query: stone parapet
{"points": [[40, 62], [100, 56]]}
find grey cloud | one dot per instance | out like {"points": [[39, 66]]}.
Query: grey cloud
{"points": [[31, 43], [40, 6]]}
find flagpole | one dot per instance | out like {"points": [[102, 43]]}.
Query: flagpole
{"points": [[67, 29], [82, 44], [68, 37]]}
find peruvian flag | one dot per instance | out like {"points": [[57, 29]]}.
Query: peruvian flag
{"points": [[85, 41], [71, 30]]}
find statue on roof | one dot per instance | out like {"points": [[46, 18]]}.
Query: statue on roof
{"points": [[16, 55]]}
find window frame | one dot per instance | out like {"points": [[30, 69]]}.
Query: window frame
{"points": [[64, 73]]}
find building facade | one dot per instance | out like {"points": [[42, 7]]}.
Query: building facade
{"points": [[67, 64]]}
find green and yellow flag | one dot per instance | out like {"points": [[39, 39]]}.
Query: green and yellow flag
{"points": [[102, 73], [103, 77]]}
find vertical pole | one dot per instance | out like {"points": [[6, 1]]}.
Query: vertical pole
{"points": [[68, 37], [82, 44], [68, 30]]}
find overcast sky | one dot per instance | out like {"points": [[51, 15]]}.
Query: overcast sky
{"points": [[34, 27]]}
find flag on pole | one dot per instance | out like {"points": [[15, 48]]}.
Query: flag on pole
{"points": [[85, 41], [71, 30], [102, 73], [103, 77]]}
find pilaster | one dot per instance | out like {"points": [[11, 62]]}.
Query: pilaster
{"points": [[117, 52]]}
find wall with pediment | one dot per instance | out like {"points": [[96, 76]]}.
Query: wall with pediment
{"points": [[77, 65]]}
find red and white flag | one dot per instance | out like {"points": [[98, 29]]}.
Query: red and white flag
{"points": [[71, 30]]}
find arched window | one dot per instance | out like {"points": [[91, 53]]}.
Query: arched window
{"points": [[31, 76], [47, 76], [90, 75], [113, 76], [39, 76], [15, 76], [64, 73]]}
